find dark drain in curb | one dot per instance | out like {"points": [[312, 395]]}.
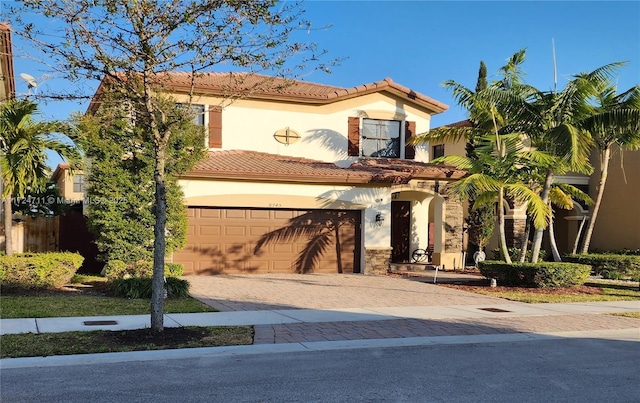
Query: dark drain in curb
{"points": [[100, 322], [493, 310]]}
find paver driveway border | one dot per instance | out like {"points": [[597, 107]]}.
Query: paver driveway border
{"points": [[254, 292]]}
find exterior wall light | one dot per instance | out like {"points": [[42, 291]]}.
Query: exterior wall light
{"points": [[379, 220]]}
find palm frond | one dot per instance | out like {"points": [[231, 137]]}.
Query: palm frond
{"points": [[540, 212]]}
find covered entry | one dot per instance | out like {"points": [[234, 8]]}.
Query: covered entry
{"points": [[254, 240]]}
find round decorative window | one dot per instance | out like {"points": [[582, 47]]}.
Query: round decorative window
{"points": [[286, 136]]}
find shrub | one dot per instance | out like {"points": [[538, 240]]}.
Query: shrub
{"points": [[117, 269], [38, 270], [543, 274], [141, 287], [610, 266]]}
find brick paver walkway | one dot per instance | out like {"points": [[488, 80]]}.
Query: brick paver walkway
{"points": [[332, 291], [334, 331], [324, 291]]}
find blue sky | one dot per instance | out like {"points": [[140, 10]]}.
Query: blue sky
{"points": [[420, 44]]}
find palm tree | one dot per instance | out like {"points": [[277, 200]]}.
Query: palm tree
{"points": [[554, 125], [23, 157], [494, 113], [614, 120], [497, 172]]}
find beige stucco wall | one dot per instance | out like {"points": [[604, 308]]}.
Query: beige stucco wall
{"points": [[65, 183], [618, 222], [250, 124]]}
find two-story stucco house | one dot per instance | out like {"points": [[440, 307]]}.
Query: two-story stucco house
{"points": [[313, 178]]}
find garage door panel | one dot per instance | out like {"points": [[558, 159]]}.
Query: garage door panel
{"points": [[208, 230], [260, 214], [207, 213], [223, 241], [235, 214], [235, 230]]}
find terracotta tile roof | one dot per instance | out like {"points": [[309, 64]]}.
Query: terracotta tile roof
{"points": [[256, 86], [241, 164], [462, 123], [260, 86], [415, 169]]}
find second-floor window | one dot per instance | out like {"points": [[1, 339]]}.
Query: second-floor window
{"points": [[380, 138], [438, 151], [198, 113], [78, 183]]}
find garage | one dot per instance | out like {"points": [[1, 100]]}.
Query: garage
{"points": [[248, 240]]}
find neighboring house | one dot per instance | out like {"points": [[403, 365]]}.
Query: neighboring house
{"points": [[72, 227], [616, 228], [310, 177], [71, 186]]}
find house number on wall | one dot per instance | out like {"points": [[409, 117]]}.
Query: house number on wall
{"points": [[275, 205]]}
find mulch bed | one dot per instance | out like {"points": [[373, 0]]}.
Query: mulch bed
{"points": [[576, 290]]}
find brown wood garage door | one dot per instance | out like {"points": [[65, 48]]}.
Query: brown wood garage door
{"points": [[235, 240]]}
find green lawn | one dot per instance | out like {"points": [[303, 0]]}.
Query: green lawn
{"points": [[84, 305], [45, 344], [89, 299]]}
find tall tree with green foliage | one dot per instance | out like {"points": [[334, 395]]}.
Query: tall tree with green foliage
{"points": [[120, 195], [614, 119], [480, 220], [554, 124], [133, 44], [23, 154]]}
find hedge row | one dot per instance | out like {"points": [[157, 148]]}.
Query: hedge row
{"points": [[117, 269], [38, 270], [610, 266], [540, 275], [141, 287]]}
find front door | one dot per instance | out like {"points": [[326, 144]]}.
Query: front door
{"points": [[400, 231]]}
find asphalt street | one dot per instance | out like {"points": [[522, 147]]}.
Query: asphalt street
{"points": [[537, 370]]}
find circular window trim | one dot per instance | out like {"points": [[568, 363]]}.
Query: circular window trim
{"points": [[286, 136]]}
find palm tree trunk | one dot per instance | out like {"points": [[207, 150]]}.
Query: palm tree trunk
{"points": [[525, 241], [552, 240], [537, 237], [503, 238], [8, 241], [577, 241], [604, 171]]}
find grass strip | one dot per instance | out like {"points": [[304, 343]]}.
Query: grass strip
{"points": [[18, 306], [102, 341]]}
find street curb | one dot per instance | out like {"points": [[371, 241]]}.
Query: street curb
{"points": [[631, 334]]}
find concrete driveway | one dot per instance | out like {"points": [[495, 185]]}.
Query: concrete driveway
{"points": [[325, 291]]}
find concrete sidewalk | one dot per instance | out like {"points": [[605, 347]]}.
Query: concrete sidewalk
{"points": [[303, 325]]}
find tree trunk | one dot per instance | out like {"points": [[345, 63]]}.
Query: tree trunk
{"points": [[525, 241], [8, 242], [552, 240], [159, 243], [604, 171], [577, 241], [503, 238], [538, 235]]}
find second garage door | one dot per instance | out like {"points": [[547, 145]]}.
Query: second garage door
{"points": [[235, 240]]}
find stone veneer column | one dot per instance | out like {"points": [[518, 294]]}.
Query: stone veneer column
{"points": [[450, 255], [514, 228], [377, 260]]}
